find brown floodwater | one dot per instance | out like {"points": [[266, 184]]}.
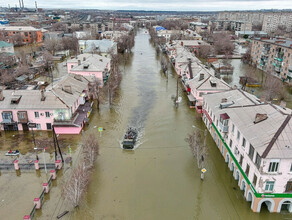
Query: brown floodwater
{"points": [[159, 179]]}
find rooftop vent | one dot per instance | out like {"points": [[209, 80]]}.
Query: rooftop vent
{"points": [[84, 58], [201, 76], [100, 60], [85, 66], [260, 117], [226, 104], [213, 83], [15, 99], [67, 89], [223, 100], [79, 62], [43, 97]]}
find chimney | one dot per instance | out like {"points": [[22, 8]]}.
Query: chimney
{"points": [[43, 97], [22, 4], [181, 43], [190, 69], [84, 58], [79, 62], [201, 76], [1, 94], [223, 100], [68, 89], [263, 99]]}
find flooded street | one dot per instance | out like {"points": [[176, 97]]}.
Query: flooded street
{"points": [[159, 179]]}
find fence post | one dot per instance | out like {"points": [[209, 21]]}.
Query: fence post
{"points": [[27, 217], [36, 165], [37, 202], [16, 166], [53, 174], [58, 164], [46, 187]]}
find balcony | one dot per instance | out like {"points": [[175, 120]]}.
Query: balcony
{"points": [[22, 117], [223, 128], [7, 117]]}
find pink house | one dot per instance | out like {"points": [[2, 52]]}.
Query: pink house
{"points": [[90, 66], [63, 106]]}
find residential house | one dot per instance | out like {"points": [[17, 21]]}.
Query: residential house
{"points": [[103, 47], [92, 66], [63, 106], [255, 140]]}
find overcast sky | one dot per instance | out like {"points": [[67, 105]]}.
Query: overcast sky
{"points": [[163, 5]]}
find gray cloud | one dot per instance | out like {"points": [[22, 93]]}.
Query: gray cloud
{"points": [[185, 5]]}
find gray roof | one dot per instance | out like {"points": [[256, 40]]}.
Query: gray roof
{"points": [[30, 100], [76, 83], [5, 44], [56, 98], [95, 63], [103, 45], [242, 113]]}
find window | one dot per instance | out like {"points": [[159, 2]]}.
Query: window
{"points": [[230, 143], [251, 152], [247, 170], [233, 129], [243, 142], [241, 160], [36, 114], [7, 115], [289, 186], [291, 168], [38, 126], [254, 181], [269, 186], [273, 167], [47, 114], [238, 135]]}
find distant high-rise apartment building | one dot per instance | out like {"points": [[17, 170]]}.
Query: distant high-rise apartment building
{"points": [[253, 17], [273, 56], [272, 21]]}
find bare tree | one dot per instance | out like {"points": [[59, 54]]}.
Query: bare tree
{"points": [[223, 44], [70, 44], [75, 188], [53, 45], [273, 88], [164, 64], [90, 149], [59, 26], [198, 149], [94, 91], [246, 57], [204, 51]]}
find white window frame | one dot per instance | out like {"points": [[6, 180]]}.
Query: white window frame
{"points": [[269, 187], [47, 114], [36, 114], [274, 166], [38, 126]]}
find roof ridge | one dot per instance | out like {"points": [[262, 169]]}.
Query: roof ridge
{"points": [[277, 134]]}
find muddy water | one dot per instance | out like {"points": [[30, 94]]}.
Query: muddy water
{"points": [[159, 180]]}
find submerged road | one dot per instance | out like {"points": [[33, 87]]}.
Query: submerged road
{"points": [[158, 180]]}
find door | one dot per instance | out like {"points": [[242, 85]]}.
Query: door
{"points": [[24, 126], [289, 186]]}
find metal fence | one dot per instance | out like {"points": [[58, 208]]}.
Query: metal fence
{"points": [[26, 166], [32, 213]]}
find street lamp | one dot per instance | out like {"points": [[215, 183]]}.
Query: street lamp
{"points": [[44, 149]]}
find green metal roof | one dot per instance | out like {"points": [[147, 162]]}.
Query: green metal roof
{"points": [[5, 44]]}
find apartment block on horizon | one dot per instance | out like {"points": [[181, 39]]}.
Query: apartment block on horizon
{"points": [[273, 20], [232, 25], [255, 140], [21, 34], [273, 56]]}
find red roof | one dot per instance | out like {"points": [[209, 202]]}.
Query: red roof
{"points": [[224, 116]]}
